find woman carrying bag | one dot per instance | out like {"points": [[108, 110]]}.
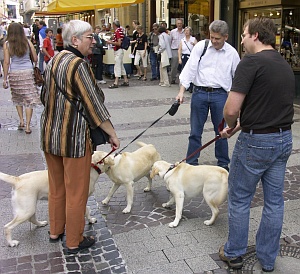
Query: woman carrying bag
{"points": [[65, 133], [18, 73]]}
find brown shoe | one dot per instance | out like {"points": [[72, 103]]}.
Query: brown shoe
{"points": [[235, 263]]}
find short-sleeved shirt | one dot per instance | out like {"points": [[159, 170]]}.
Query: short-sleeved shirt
{"points": [[48, 46], [141, 40], [269, 84], [118, 34]]}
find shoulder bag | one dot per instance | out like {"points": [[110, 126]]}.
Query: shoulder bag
{"points": [[97, 135], [38, 77]]}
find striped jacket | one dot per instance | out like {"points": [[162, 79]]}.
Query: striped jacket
{"points": [[63, 129]]}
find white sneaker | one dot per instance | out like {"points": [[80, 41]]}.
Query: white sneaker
{"points": [[164, 85], [102, 82]]}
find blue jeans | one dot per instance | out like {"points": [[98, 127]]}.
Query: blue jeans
{"points": [[41, 62], [201, 102], [257, 157], [154, 64]]}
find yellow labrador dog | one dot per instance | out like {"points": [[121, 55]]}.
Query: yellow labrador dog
{"points": [[185, 180], [27, 189], [127, 168]]}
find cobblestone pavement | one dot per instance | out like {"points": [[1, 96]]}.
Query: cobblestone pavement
{"points": [[138, 242]]}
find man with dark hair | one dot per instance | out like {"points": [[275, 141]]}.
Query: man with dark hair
{"points": [[35, 35], [42, 35], [260, 103], [153, 45], [119, 69], [97, 58]]}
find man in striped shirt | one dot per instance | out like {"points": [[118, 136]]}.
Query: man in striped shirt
{"points": [[119, 69]]}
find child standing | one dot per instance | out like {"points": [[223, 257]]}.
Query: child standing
{"points": [[47, 46]]}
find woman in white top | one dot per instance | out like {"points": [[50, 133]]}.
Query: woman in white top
{"points": [[186, 46]]}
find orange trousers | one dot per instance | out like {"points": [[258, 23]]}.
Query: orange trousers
{"points": [[69, 180]]}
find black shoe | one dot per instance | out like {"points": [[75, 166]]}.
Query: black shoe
{"points": [[267, 270], [173, 82], [60, 237], [87, 242], [235, 263], [225, 167], [153, 79]]}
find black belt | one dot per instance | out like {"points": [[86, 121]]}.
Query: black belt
{"points": [[266, 130], [208, 89]]}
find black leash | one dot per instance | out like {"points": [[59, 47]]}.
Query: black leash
{"points": [[173, 109]]}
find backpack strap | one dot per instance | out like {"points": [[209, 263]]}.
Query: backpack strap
{"points": [[205, 48]]}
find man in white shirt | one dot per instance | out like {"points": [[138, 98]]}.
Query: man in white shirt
{"points": [[212, 79], [176, 36]]}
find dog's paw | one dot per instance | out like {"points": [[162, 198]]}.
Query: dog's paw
{"points": [[173, 224], [92, 220], [105, 201], [126, 210], [42, 223], [147, 189], [13, 243], [208, 222], [166, 205]]}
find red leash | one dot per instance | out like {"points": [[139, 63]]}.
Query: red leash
{"points": [[220, 128], [94, 166]]}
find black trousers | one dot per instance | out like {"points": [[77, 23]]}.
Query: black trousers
{"points": [[97, 65]]}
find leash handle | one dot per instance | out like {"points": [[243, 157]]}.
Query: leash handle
{"points": [[101, 161]]}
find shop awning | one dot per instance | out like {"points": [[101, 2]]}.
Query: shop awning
{"points": [[80, 5]]}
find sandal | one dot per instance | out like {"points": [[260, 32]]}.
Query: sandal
{"points": [[20, 127], [113, 86], [145, 79], [60, 237], [28, 131], [125, 84], [87, 242]]}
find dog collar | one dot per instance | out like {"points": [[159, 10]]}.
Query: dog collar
{"points": [[96, 168], [170, 168]]}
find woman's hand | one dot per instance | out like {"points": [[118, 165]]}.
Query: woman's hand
{"points": [[180, 61], [114, 142]]}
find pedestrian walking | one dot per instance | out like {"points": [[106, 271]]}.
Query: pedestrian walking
{"points": [[18, 73], [212, 79], [141, 53], [186, 46], [153, 45], [97, 57], [119, 69], [65, 134], [260, 103], [59, 40], [165, 53], [176, 35]]}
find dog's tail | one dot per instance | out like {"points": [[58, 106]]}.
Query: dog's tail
{"points": [[141, 144], [13, 180]]}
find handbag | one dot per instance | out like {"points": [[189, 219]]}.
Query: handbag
{"points": [[97, 135], [158, 57], [37, 74], [38, 77]]}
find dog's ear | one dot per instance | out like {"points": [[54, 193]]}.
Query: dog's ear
{"points": [[109, 161], [154, 171]]}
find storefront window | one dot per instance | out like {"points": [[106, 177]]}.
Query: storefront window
{"points": [[195, 13], [287, 21]]}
